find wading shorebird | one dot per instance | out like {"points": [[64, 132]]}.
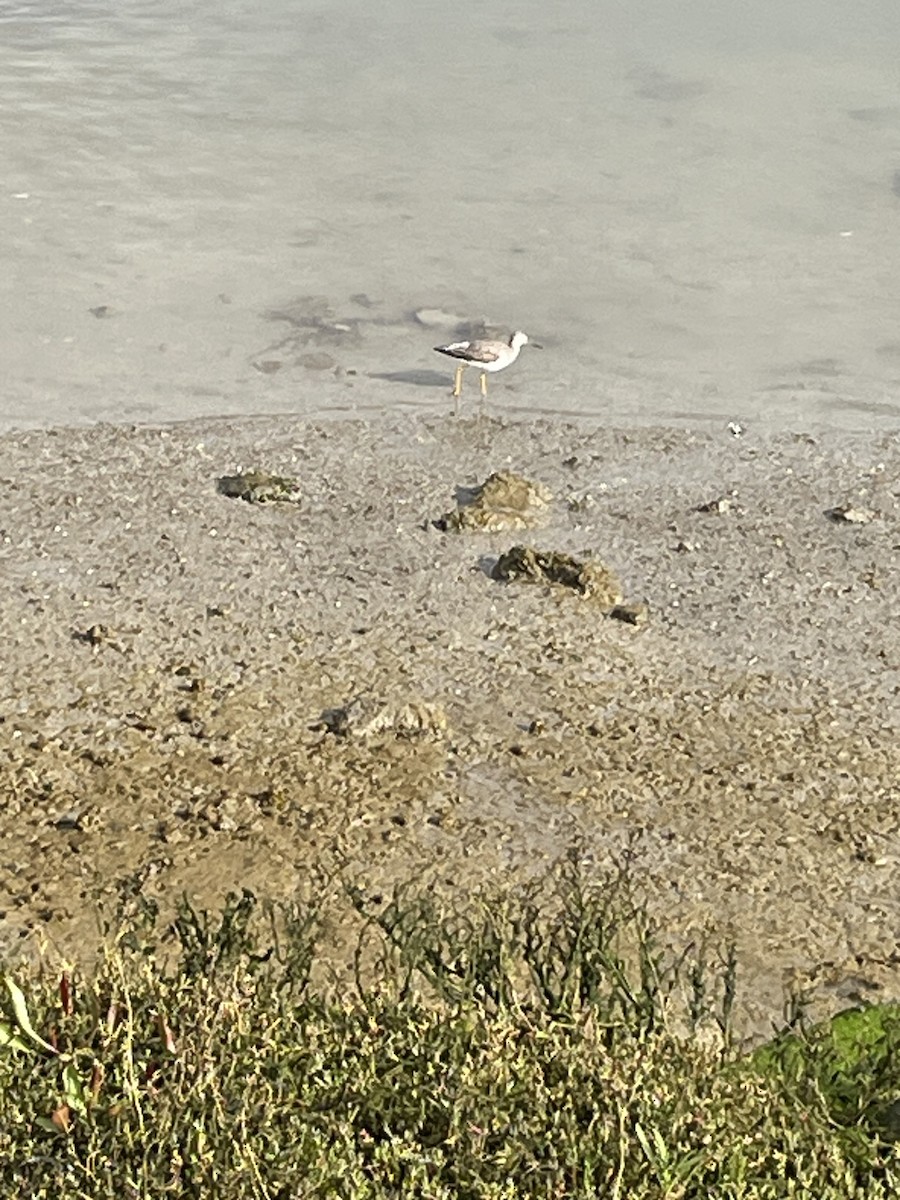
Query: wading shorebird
{"points": [[486, 353]]}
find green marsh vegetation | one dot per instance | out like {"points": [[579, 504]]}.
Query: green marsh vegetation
{"points": [[541, 1044]]}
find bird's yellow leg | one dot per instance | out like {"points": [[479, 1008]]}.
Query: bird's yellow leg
{"points": [[483, 384], [457, 383]]}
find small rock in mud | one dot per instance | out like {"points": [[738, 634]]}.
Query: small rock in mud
{"points": [[722, 504], [93, 636], [504, 501], [260, 487], [632, 614], [367, 716], [589, 578], [848, 514], [581, 504]]}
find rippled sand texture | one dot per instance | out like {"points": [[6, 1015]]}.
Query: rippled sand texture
{"points": [[203, 693]]}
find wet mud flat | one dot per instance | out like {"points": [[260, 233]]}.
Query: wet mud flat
{"points": [[243, 652]]}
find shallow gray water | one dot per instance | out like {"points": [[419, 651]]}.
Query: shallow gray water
{"points": [[696, 209]]}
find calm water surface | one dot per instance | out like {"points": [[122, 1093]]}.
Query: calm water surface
{"points": [[237, 206]]}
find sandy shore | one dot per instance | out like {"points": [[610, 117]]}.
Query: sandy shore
{"points": [[170, 653]]}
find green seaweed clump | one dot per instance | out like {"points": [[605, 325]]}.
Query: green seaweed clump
{"points": [[260, 487], [590, 578]]}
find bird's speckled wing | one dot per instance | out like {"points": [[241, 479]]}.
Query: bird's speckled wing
{"points": [[475, 352]]}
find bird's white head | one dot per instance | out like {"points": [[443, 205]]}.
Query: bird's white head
{"points": [[518, 340]]}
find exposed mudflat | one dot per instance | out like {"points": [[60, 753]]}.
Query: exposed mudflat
{"points": [[202, 693]]}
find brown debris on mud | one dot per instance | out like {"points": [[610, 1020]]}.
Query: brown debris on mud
{"points": [[260, 487], [366, 717], [588, 577], [505, 501]]}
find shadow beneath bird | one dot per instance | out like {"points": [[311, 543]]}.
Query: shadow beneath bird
{"points": [[418, 378]]}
